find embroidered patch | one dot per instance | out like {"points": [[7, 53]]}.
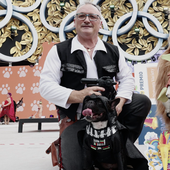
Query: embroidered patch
{"points": [[97, 146], [111, 68], [93, 147], [99, 142], [106, 147], [72, 68]]}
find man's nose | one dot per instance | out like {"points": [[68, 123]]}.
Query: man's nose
{"points": [[87, 19]]}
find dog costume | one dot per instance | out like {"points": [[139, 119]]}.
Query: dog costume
{"points": [[110, 144]]}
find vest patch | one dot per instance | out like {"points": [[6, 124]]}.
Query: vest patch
{"points": [[72, 68], [111, 68]]}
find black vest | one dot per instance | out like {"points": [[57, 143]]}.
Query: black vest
{"points": [[74, 68]]}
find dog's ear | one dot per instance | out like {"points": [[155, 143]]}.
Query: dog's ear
{"points": [[114, 102], [85, 100], [112, 115]]}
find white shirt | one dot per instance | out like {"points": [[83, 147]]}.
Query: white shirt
{"points": [[51, 90]]}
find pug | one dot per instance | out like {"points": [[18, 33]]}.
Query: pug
{"points": [[102, 144], [105, 141]]}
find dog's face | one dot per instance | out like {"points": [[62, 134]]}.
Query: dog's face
{"points": [[95, 108]]}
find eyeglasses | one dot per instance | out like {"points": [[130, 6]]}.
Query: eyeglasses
{"points": [[92, 17]]}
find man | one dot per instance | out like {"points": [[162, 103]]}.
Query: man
{"points": [[87, 56]]}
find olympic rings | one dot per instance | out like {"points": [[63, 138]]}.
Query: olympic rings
{"points": [[65, 21], [104, 31], [22, 9], [9, 14], [34, 34], [148, 27], [122, 20], [44, 22], [132, 21], [128, 26], [67, 25]]}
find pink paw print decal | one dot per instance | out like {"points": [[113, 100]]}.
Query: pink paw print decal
{"points": [[4, 89], [7, 72], [34, 105], [22, 72], [51, 106], [20, 88], [21, 108], [37, 71], [35, 88]]}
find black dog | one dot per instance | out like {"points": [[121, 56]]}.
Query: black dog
{"points": [[105, 142]]}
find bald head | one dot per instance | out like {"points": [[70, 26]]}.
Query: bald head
{"points": [[88, 3]]}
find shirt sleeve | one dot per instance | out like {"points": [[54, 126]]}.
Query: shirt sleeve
{"points": [[50, 87], [125, 79]]}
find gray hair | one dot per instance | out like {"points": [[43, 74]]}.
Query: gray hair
{"points": [[86, 2]]}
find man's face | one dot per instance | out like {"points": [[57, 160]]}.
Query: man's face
{"points": [[86, 27]]}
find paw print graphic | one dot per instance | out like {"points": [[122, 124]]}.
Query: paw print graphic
{"points": [[21, 108], [20, 88], [4, 89], [22, 71], [7, 72], [35, 88], [34, 105], [51, 106], [37, 71]]}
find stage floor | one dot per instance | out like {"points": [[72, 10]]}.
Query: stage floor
{"points": [[26, 151]]}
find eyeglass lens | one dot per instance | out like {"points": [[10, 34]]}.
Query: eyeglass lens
{"points": [[92, 17]]}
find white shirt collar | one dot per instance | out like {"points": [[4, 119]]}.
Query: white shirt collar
{"points": [[76, 45]]}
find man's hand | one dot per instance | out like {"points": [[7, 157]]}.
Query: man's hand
{"points": [[119, 106], [78, 96]]}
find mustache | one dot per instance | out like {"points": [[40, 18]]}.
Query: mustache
{"points": [[86, 24]]}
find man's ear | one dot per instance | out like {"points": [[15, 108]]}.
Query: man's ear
{"points": [[101, 23]]}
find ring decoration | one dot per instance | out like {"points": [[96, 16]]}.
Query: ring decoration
{"points": [[21, 9], [8, 15], [139, 28], [140, 44], [140, 57], [34, 34], [129, 25], [26, 53], [148, 27]]}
